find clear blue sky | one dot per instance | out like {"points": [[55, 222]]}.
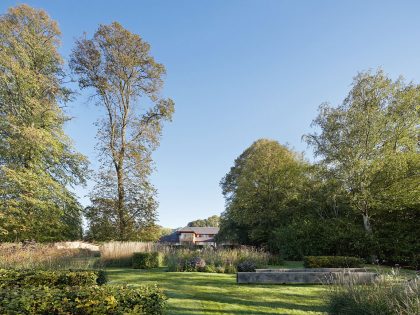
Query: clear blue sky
{"points": [[239, 71]]}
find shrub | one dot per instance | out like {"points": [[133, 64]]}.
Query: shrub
{"points": [[146, 260], [246, 266], [332, 262], [230, 269], [387, 296], [220, 269], [59, 278], [209, 269], [194, 264], [82, 300]]}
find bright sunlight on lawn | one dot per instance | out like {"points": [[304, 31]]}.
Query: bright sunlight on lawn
{"points": [[209, 293]]}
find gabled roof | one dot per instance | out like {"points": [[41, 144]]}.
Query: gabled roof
{"points": [[199, 230]]}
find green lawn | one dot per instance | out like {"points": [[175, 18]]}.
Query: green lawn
{"points": [[209, 293]]}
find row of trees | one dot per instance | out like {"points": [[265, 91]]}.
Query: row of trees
{"points": [[361, 196], [39, 165], [212, 221]]}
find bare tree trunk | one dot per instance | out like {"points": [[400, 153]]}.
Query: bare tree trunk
{"points": [[366, 223], [120, 203]]}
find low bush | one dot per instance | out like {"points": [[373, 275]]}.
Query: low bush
{"points": [[10, 278], [210, 269], [194, 264], [220, 269], [146, 260], [387, 296], [115, 300], [332, 262], [246, 266], [230, 269]]}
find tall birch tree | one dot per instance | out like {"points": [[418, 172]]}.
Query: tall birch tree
{"points": [[370, 144], [116, 64]]}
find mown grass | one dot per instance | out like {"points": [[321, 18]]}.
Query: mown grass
{"points": [[209, 293]]}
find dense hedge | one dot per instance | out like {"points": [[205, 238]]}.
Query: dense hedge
{"points": [[10, 278], [146, 260], [332, 262], [246, 266], [82, 300]]}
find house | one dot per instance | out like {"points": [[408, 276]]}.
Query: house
{"points": [[192, 236], [198, 235]]}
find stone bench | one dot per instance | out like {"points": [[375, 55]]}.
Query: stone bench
{"points": [[308, 277]]}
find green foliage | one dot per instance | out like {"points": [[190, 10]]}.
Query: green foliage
{"points": [[396, 238], [37, 160], [388, 296], [314, 237], [262, 190], [116, 64], [370, 144], [246, 266], [115, 300], [194, 264], [332, 262], [146, 260], [11, 278], [212, 221], [360, 199]]}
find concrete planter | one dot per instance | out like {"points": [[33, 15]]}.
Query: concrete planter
{"points": [[305, 276], [314, 270]]}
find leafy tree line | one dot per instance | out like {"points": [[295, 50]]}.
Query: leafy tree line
{"points": [[360, 198], [212, 221], [38, 163]]}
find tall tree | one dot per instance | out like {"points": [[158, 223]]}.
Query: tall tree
{"points": [[37, 160], [370, 144], [118, 66], [262, 190]]}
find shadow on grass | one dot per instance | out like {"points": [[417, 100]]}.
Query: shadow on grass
{"points": [[197, 293]]}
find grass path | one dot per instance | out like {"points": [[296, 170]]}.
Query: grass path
{"points": [[208, 293]]}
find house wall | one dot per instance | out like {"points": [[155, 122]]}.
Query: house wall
{"points": [[198, 240]]}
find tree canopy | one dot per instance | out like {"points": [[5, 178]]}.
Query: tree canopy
{"points": [[212, 221], [370, 144], [261, 190], [38, 163]]}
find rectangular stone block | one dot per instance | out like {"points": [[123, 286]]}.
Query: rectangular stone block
{"points": [[305, 277]]}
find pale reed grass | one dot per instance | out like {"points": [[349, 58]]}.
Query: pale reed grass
{"points": [[43, 256], [389, 295], [120, 253]]}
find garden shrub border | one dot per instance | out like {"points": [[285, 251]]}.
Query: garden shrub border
{"points": [[332, 262], [12, 278], [146, 260], [115, 300]]}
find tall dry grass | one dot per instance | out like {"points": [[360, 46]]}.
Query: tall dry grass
{"points": [[389, 295], [222, 259], [119, 254], [44, 256]]}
